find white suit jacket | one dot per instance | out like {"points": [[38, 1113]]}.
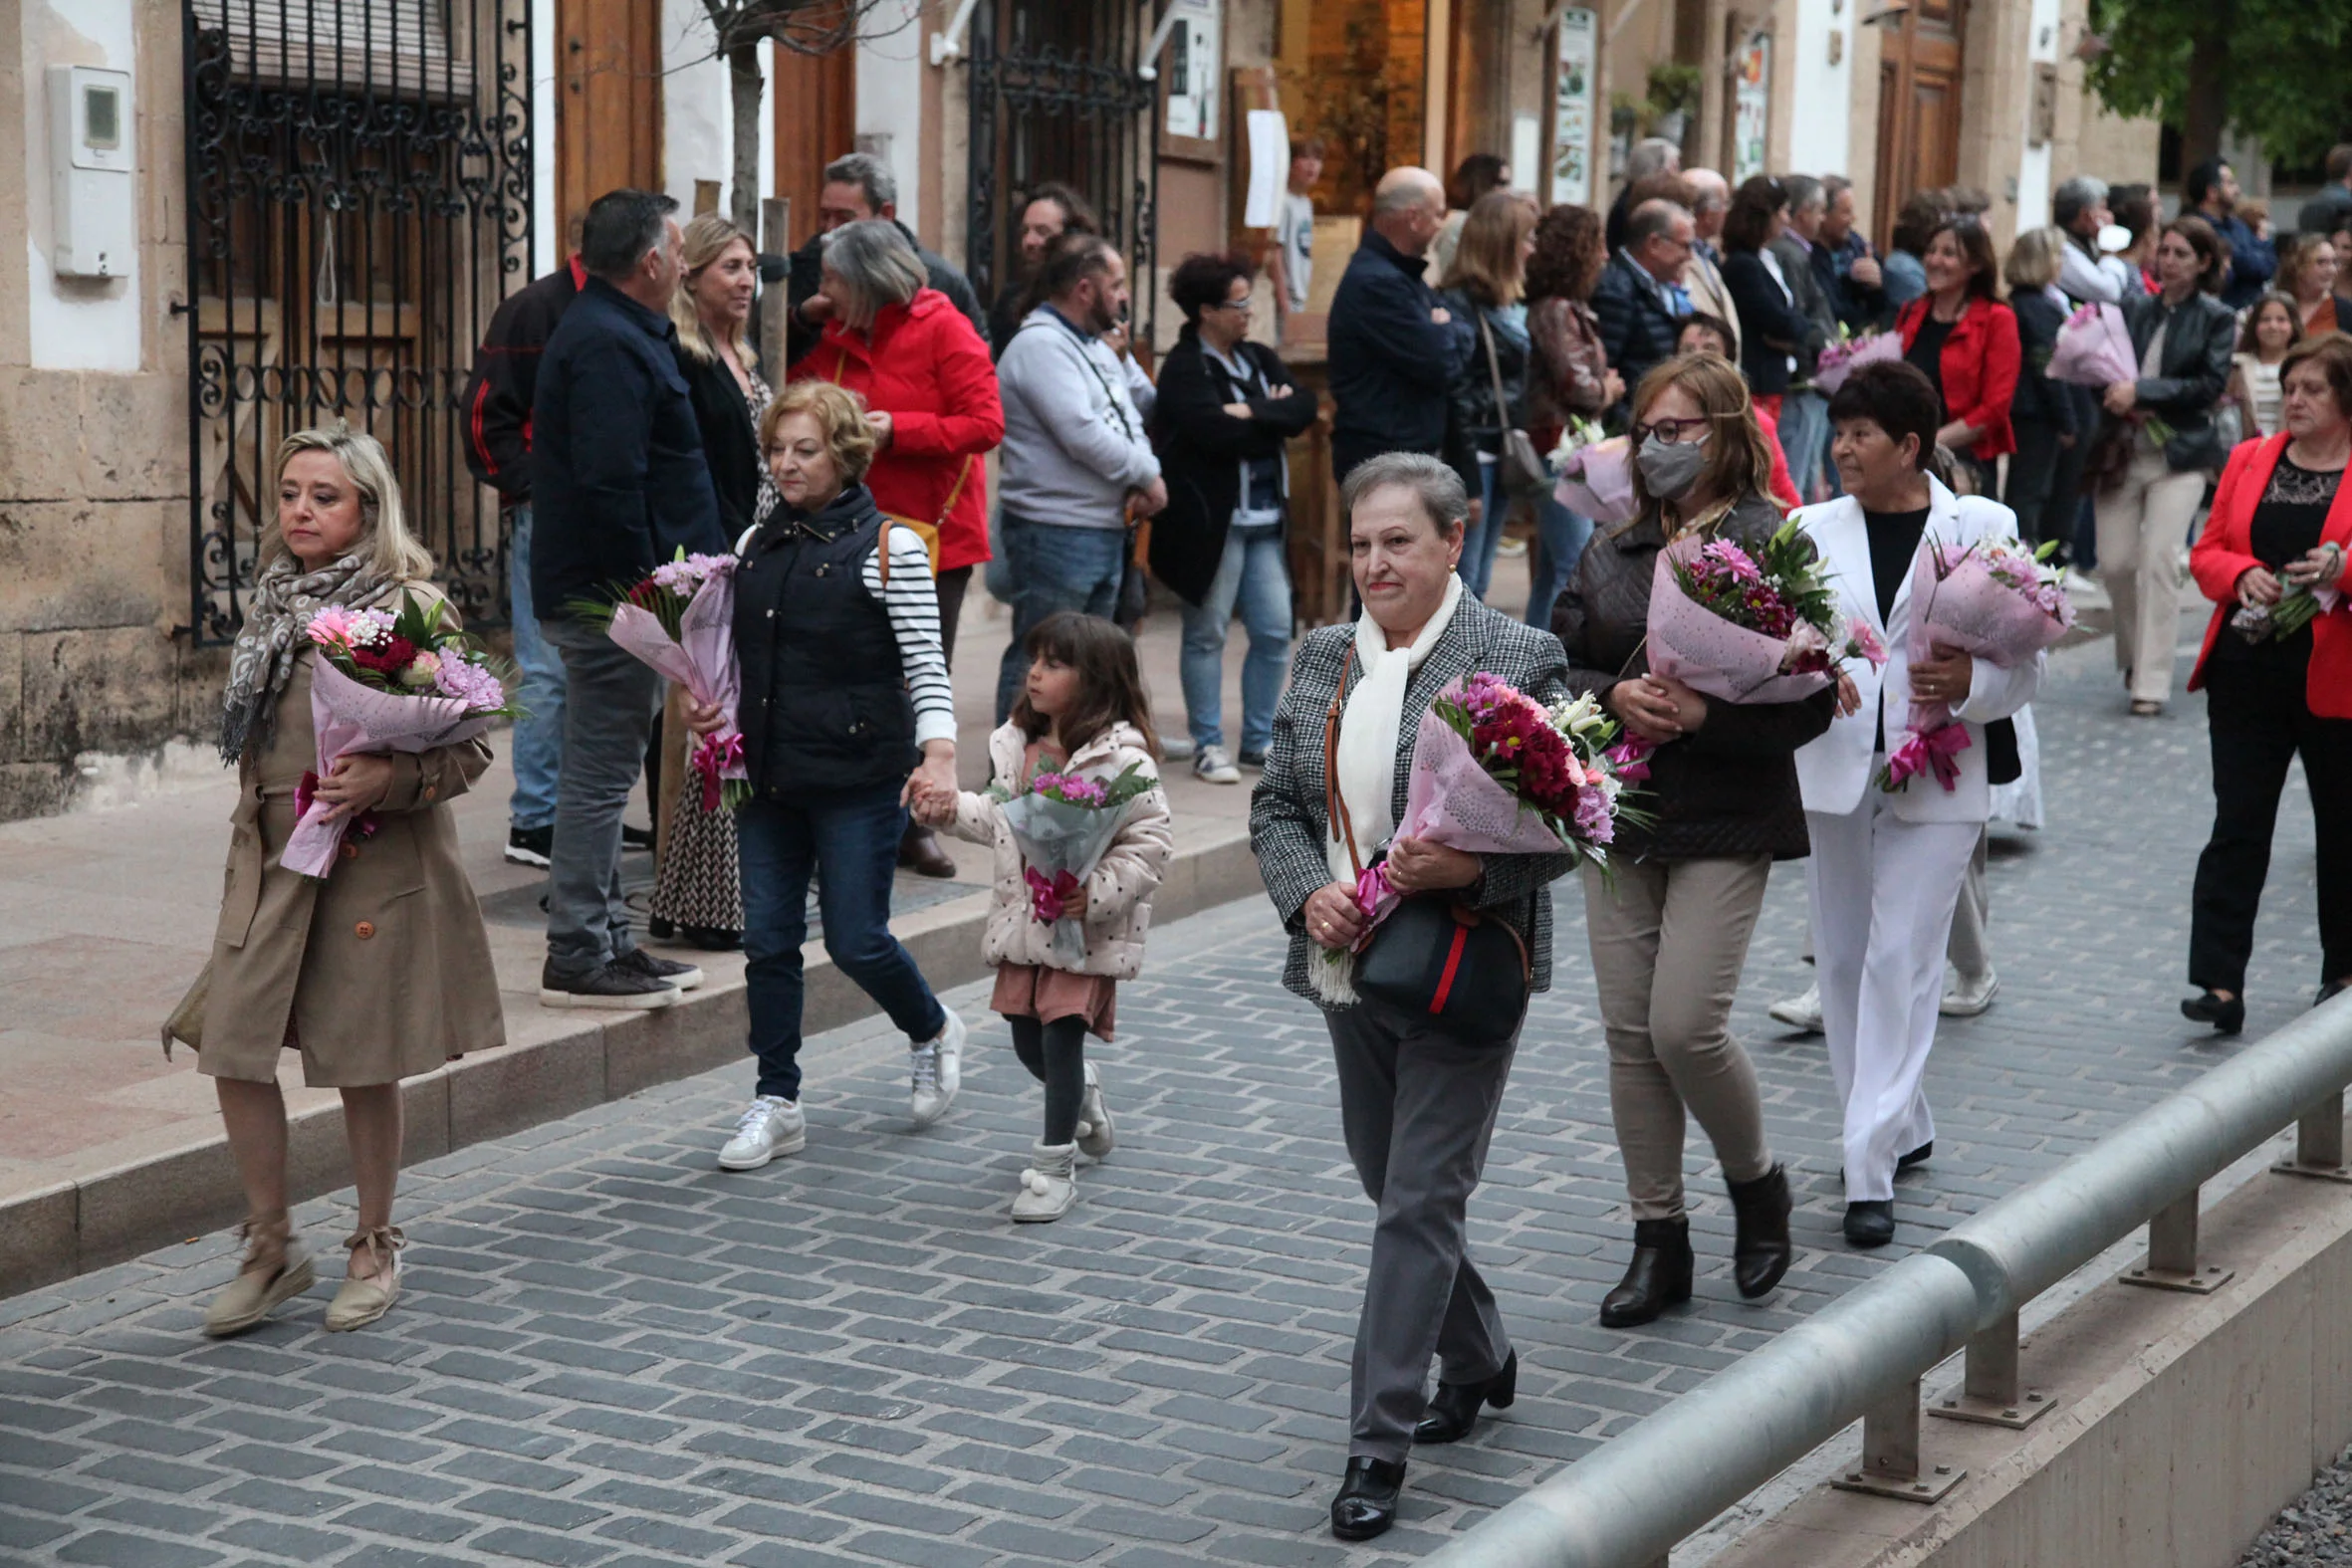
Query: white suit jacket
{"points": [[1833, 770]]}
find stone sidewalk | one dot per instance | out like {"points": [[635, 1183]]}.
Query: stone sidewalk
{"points": [[613, 1355]]}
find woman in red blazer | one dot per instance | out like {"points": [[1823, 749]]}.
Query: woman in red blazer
{"points": [[1964, 340], [2282, 523], [930, 393]]}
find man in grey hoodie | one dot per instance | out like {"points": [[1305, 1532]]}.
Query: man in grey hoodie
{"points": [[1074, 450]]}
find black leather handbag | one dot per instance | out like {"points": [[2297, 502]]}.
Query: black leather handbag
{"points": [[1433, 956]]}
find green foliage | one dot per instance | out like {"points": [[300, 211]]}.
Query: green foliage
{"points": [[1674, 87], [2283, 66]]}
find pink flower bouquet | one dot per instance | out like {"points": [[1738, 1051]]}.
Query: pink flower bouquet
{"points": [[384, 681], [1062, 823], [1596, 480], [1758, 628], [1992, 601], [1844, 358], [2094, 348], [681, 621]]}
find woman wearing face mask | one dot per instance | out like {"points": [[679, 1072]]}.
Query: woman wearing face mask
{"points": [[1670, 925]]}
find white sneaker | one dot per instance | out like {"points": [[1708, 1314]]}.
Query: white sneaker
{"points": [[773, 1126], [938, 1073], [1212, 766], [1093, 1132], [1965, 999], [1802, 1013], [1050, 1185]]}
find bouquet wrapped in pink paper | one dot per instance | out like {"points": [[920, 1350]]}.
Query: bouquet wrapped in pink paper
{"points": [[384, 682], [1596, 480], [1062, 823], [1848, 354], [1992, 601], [2094, 348], [680, 621], [1750, 628]]}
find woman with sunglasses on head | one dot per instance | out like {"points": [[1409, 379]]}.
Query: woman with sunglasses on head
{"points": [[1671, 922]]}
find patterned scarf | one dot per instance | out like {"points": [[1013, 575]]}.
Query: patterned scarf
{"points": [[284, 597]]}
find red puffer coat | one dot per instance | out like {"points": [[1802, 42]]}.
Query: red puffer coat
{"points": [[924, 366]]}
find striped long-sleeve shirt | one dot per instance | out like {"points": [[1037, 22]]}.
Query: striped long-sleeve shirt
{"points": [[911, 600]]}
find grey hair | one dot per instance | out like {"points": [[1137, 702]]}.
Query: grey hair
{"points": [[1653, 218], [391, 548], [874, 258], [1434, 484], [2074, 197], [1804, 190], [1406, 195], [1835, 185], [1649, 156], [869, 174]]}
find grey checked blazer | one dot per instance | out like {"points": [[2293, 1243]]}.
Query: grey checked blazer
{"points": [[1287, 820]]}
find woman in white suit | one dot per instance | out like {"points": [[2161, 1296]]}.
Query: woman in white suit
{"points": [[1886, 868]]}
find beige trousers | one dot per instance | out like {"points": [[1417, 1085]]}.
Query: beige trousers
{"points": [[2141, 530], [1668, 942]]}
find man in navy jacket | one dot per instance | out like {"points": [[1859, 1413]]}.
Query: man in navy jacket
{"points": [[1393, 345], [618, 485], [1640, 295]]}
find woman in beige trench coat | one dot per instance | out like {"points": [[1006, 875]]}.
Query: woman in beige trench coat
{"points": [[380, 972]]}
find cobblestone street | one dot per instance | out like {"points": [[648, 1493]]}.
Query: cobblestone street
{"points": [[613, 1354]]}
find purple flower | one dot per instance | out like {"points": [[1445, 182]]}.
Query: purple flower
{"points": [[1594, 823], [470, 683]]}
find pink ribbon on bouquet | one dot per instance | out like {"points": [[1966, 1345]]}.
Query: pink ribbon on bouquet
{"points": [[717, 758], [1048, 899], [1631, 757], [1937, 752]]}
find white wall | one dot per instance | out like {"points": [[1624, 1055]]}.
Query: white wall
{"points": [[1820, 102], [890, 101], [547, 229], [2033, 164], [79, 324], [698, 108]]}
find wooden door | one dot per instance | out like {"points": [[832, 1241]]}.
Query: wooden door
{"points": [[608, 102], [1918, 105], [816, 122]]}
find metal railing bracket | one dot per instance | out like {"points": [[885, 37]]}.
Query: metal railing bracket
{"points": [[1991, 1391], [2319, 1144], [1890, 1454], [2171, 1263]]}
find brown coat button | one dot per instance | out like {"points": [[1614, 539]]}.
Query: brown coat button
{"points": [[363, 929], [350, 851]]}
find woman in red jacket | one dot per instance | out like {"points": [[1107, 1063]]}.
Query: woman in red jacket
{"points": [[930, 394], [1964, 340], [2281, 524]]}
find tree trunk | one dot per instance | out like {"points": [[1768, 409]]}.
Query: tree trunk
{"points": [[2204, 107], [743, 69]]}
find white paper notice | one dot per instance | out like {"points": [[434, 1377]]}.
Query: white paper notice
{"points": [[1270, 166]]}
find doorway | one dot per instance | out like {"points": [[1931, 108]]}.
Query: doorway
{"points": [[1918, 105]]}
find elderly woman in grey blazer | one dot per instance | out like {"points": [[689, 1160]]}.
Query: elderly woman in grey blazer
{"points": [[1417, 1103]]}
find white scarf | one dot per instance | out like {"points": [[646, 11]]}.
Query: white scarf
{"points": [[1365, 758]]}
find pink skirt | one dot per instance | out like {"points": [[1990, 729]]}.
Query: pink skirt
{"points": [[1026, 990]]}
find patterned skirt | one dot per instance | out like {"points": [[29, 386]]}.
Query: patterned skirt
{"points": [[696, 881]]}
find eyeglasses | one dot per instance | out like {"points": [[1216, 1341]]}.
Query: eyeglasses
{"points": [[1671, 432], [1242, 304]]}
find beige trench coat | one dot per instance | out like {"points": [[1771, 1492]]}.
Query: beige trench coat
{"points": [[380, 972]]}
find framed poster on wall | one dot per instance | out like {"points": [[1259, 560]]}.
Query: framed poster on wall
{"points": [[1194, 70], [1752, 102], [1573, 57]]}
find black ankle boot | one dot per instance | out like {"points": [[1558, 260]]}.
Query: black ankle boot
{"points": [[1760, 1253], [1658, 1278], [1453, 1408], [1366, 1504], [2226, 1015]]}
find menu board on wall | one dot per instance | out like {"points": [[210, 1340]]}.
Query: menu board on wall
{"points": [[1572, 106], [1751, 101]]}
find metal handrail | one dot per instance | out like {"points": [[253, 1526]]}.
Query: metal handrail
{"points": [[1861, 1358]]}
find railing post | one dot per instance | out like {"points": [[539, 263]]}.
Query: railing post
{"points": [[2171, 1263], [1890, 1454], [1992, 1391], [2320, 1143]]}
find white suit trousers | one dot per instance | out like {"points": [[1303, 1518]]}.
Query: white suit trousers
{"points": [[1883, 891]]}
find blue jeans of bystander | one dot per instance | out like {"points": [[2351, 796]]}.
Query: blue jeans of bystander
{"points": [[1253, 575], [1560, 538], [538, 741], [1054, 569], [1804, 438]]}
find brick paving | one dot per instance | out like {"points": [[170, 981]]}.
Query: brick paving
{"points": [[613, 1355]]}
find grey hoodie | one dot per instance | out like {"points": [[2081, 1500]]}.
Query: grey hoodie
{"points": [[1074, 444]]}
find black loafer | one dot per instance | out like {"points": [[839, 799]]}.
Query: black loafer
{"points": [[1453, 1408], [2329, 992], [2226, 1015], [1919, 1156], [1870, 1223], [1366, 1504]]}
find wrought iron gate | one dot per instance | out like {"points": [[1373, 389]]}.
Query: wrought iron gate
{"points": [[358, 184], [1055, 96]]}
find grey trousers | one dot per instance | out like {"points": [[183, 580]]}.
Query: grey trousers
{"points": [[1417, 1108], [609, 703]]}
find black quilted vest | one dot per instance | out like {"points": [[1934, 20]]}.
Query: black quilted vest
{"points": [[823, 706]]}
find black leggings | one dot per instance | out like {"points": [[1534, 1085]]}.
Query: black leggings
{"points": [[1056, 1055]]}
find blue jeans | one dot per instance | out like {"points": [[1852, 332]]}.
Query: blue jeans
{"points": [[1054, 570], [1253, 575], [1804, 437], [1560, 538], [852, 836], [608, 708], [1479, 539], [538, 740]]}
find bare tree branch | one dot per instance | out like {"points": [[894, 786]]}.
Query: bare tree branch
{"points": [[806, 27]]}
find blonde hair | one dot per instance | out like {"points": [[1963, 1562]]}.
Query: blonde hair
{"points": [[1738, 464], [1490, 259], [396, 556], [840, 417], [2033, 259], [707, 239]]}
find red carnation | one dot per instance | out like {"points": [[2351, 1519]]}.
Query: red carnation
{"points": [[397, 654]]}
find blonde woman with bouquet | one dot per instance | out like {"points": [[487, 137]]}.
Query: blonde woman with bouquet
{"points": [[381, 970], [1671, 919]]}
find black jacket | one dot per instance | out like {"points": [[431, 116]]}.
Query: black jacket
{"points": [[1389, 361], [1636, 327], [1202, 449], [1730, 787], [498, 393], [1810, 299], [2199, 344], [1856, 304], [1771, 327], [730, 444], [617, 477], [2039, 399], [809, 271], [1480, 423]]}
